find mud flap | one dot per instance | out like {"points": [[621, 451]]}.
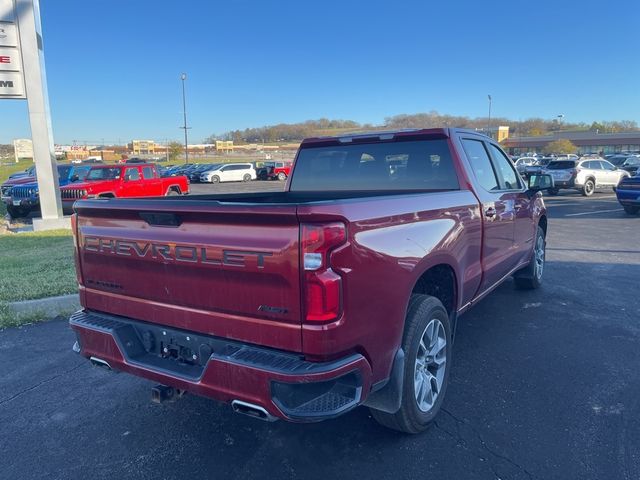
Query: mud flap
{"points": [[389, 398]]}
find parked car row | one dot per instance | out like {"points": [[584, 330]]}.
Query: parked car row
{"points": [[21, 195], [229, 172], [584, 175]]}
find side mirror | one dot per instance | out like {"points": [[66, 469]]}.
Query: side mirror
{"points": [[540, 181], [74, 178]]}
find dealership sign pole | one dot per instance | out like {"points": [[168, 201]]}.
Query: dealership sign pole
{"points": [[22, 75]]}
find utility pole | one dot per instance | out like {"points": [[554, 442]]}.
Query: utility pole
{"points": [[183, 77], [489, 122]]}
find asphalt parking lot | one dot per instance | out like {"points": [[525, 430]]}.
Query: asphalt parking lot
{"points": [[544, 385]]}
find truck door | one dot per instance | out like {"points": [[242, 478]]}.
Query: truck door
{"points": [[131, 184], [524, 227], [611, 174], [497, 204], [152, 184]]}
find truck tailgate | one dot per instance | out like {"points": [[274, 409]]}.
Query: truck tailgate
{"points": [[208, 267]]}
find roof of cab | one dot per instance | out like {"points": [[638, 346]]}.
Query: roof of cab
{"points": [[388, 135]]}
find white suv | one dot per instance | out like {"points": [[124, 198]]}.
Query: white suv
{"points": [[584, 175], [229, 172]]}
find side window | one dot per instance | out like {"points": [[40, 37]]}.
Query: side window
{"points": [[226, 169], [508, 177], [481, 164], [147, 173], [131, 174], [607, 166]]}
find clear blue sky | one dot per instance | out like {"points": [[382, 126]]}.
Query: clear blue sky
{"points": [[113, 66]]}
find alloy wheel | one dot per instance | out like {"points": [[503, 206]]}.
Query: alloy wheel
{"points": [[430, 365]]}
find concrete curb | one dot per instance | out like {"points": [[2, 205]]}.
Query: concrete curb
{"points": [[51, 306]]}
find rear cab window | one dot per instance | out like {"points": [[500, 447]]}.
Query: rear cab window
{"points": [[418, 165], [562, 165]]}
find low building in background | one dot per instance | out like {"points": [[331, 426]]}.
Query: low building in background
{"points": [[224, 146], [499, 133], [585, 141], [144, 147]]}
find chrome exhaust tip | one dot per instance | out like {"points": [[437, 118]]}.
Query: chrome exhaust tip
{"points": [[251, 410], [98, 362]]}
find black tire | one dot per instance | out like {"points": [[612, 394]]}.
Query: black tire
{"points": [[172, 192], [554, 191], [631, 209], [282, 176], [215, 179], [410, 418], [246, 177], [588, 188], [530, 277], [17, 212]]}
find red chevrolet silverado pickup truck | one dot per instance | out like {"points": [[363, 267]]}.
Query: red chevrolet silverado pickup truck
{"points": [[343, 290], [117, 181]]}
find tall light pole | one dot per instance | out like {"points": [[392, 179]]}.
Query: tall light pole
{"points": [[489, 122], [183, 77], [560, 117]]}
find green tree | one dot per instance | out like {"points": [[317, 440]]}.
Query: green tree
{"points": [[175, 149], [560, 146]]}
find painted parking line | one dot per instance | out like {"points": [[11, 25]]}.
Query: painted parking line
{"points": [[592, 213], [576, 197], [562, 204]]}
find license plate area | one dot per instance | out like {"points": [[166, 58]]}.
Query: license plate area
{"points": [[16, 203], [166, 350]]}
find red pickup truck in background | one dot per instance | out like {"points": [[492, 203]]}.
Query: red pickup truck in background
{"points": [[121, 181], [274, 171], [343, 290]]}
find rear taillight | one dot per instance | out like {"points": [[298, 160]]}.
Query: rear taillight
{"points": [[76, 246], [322, 286]]}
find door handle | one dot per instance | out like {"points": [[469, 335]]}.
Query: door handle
{"points": [[490, 212]]}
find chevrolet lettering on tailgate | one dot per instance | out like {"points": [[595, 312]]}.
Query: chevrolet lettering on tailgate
{"points": [[174, 253]]}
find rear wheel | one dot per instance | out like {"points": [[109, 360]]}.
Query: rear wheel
{"points": [[427, 346], [246, 177], [588, 188], [530, 277], [631, 209], [172, 192], [282, 176], [215, 179]]}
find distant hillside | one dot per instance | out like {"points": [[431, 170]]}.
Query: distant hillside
{"points": [[294, 132]]}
